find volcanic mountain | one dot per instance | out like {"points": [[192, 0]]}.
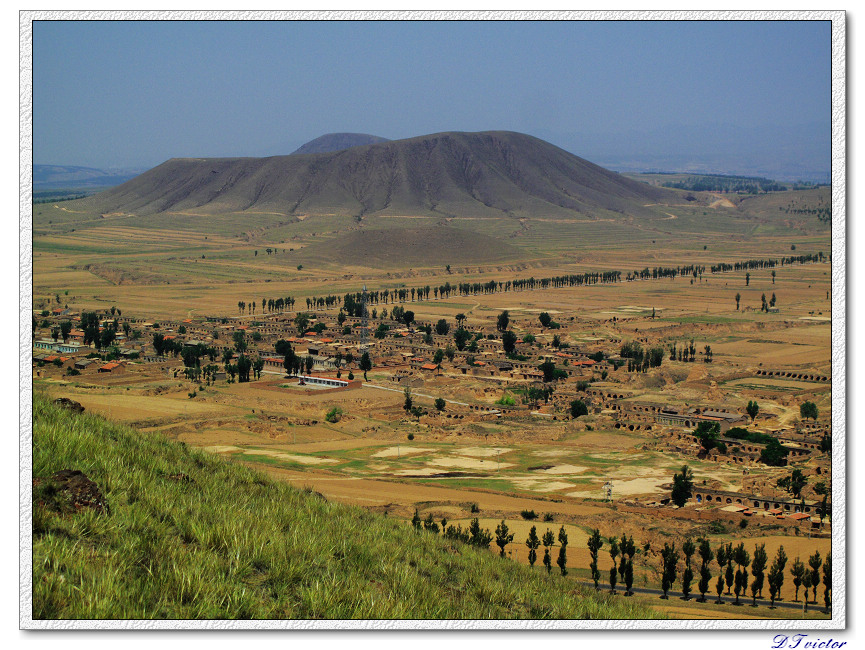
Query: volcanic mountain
{"points": [[338, 142], [487, 174]]}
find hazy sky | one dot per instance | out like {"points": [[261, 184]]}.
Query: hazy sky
{"points": [[138, 93]]}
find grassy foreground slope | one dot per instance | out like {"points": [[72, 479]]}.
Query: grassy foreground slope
{"points": [[232, 543]]}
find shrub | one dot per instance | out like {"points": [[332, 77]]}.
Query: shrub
{"points": [[717, 528], [578, 408], [808, 410], [743, 524], [334, 414], [506, 400], [774, 453], [548, 516], [411, 436], [529, 515], [474, 508]]}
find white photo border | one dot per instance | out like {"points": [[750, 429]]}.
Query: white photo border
{"points": [[839, 324]]}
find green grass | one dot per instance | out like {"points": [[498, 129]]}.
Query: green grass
{"points": [[232, 543]]}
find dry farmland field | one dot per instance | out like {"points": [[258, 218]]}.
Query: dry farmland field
{"points": [[493, 448]]}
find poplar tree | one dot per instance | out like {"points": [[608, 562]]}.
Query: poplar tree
{"points": [[548, 540], [719, 587], [742, 559], [533, 541], [798, 571], [562, 560], [729, 576], [758, 568], [626, 568], [670, 557], [595, 543], [815, 561], [688, 549], [706, 555], [614, 571], [776, 574]]}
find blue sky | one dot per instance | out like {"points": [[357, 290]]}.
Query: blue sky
{"points": [[644, 93]]}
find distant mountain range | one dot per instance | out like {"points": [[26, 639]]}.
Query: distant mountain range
{"points": [[70, 177], [492, 173]]}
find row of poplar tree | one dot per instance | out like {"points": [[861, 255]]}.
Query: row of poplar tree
{"points": [[736, 579], [733, 562]]}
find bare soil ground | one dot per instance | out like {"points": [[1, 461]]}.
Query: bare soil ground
{"points": [[170, 271]]}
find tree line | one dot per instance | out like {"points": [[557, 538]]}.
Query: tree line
{"points": [[352, 303], [733, 562], [722, 183]]}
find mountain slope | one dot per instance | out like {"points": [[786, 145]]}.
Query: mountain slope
{"points": [[490, 174], [337, 142], [190, 535]]}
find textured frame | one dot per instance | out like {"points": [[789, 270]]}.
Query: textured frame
{"points": [[839, 323]]}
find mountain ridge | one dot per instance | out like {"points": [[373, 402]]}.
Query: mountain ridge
{"points": [[330, 142], [490, 173]]}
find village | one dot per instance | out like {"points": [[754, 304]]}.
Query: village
{"points": [[449, 378]]}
